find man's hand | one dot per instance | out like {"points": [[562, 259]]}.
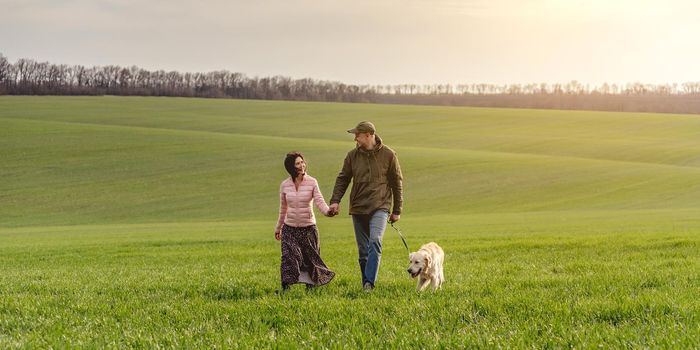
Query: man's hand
{"points": [[278, 235], [394, 218], [333, 209]]}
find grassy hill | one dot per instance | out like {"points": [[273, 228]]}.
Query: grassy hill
{"points": [[147, 222], [135, 160]]}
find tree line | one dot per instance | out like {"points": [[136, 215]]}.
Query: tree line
{"points": [[32, 77]]}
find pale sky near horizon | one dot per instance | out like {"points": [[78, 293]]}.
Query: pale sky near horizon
{"points": [[369, 41]]}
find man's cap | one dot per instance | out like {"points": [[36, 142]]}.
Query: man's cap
{"points": [[363, 126]]}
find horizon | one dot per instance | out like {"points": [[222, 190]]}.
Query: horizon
{"points": [[676, 85], [370, 43]]}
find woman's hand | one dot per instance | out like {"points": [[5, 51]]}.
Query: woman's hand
{"points": [[333, 209], [278, 235]]}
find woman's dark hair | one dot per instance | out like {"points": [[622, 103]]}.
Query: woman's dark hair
{"points": [[289, 163]]}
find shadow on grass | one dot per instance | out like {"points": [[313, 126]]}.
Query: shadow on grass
{"points": [[233, 293], [342, 289], [157, 244]]}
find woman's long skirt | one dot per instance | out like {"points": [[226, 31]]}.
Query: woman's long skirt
{"points": [[301, 259]]}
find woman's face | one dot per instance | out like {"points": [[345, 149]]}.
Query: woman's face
{"points": [[300, 165]]}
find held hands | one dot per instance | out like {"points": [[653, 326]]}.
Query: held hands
{"points": [[333, 210]]}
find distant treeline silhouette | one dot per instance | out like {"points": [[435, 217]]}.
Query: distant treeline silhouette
{"points": [[31, 77]]}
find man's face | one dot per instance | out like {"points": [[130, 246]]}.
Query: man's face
{"points": [[363, 139]]}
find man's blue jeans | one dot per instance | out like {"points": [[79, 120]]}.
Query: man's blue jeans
{"points": [[369, 230]]}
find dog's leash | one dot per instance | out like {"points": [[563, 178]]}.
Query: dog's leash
{"points": [[400, 235]]}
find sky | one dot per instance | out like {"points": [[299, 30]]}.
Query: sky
{"points": [[369, 41]]}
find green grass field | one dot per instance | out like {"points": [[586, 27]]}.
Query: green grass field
{"points": [[148, 222]]}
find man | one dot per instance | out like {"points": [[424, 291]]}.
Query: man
{"points": [[376, 179]]}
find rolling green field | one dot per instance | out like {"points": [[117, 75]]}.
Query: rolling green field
{"points": [[148, 222]]}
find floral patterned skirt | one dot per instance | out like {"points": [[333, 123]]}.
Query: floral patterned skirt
{"points": [[301, 259]]}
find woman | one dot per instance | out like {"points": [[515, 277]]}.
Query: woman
{"points": [[296, 227]]}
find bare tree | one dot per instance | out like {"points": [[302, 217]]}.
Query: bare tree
{"points": [[29, 77], [5, 72]]}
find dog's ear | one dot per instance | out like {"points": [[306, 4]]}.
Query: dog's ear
{"points": [[428, 261]]}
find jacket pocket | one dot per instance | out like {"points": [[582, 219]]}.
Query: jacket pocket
{"points": [[359, 193]]}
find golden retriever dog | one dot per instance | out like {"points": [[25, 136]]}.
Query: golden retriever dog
{"points": [[427, 263]]}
